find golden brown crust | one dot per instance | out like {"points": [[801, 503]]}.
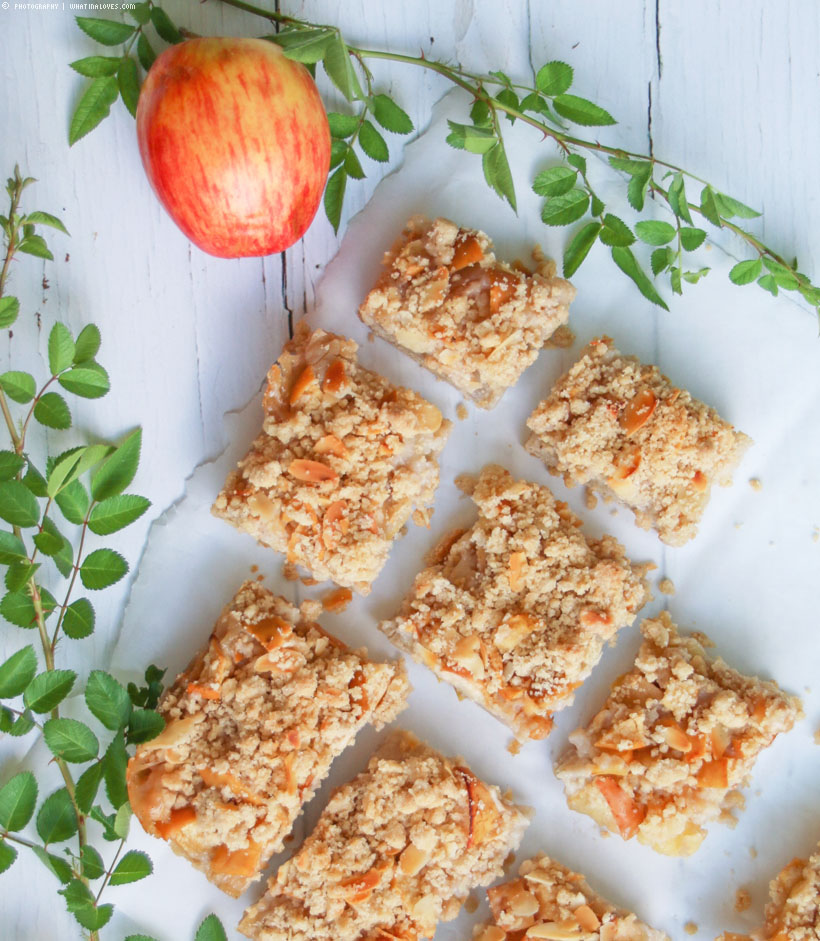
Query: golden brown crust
{"points": [[343, 458], [473, 321], [793, 914], [622, 428], [252, 726], [514, 611], [394, 852], [675, 739]]}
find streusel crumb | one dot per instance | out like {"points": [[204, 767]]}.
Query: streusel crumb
{"points": [[514, 611], [623, 429], [446, 301], [675, 740], [343, 458], [396, 851], [252, 726], [550, 901]]}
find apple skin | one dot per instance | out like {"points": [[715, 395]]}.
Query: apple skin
{"points": [[235, 141]]}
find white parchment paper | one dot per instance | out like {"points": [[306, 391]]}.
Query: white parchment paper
{"points": [[749, 579]]}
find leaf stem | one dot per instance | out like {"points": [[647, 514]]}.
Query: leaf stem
{"points": [[109, 872], [75, 572]]}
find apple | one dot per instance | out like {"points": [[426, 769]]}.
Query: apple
{"points": [[235, 141]]}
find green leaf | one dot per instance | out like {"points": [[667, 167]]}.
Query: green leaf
{"points": [[35, 481], [555, 181], [744, 272], [55, 864], [106, 821], [107, 32], [107, 700], [60, 349], [131, 868], [35, 245], [616, 231], [122, 821], [580, 111], [72, 464], [391, 117], [18, 505], [211, 930], [6, 719], [7, 855], [476, 140], [129, 84], [71, 740], [334, 196], [709, 206], [96, 66], [78, 621], [508, 98], [19, 573], [56, 819], [338, 152], [691, 238], [627, 262], [579, 247], [145, 52], [304, 45], [372, 143], [554, 78], [64, 559], [87, 345], [353, 166], [677, 198], [730, 207], [93, 107], [119, 470], [92, 864], [785, 277], [52, 411], [17, 672], [48, 689], [73, 501], [19, 386], [116, 513], [140, 937], [692, 277], [22, 725], [102, 568], [480, 114], [164, 27], [10, 464], [566, 209], [87, 786], [342, 125], [497, 173], [85, 382], [17, 799], [768, 283], [141, 12], [655, 232], [339, 68], [11, 548], [9, 309], [114, 764], [144, 725]]}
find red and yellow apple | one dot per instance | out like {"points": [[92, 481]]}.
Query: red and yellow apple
{"points": [[235, 141]]}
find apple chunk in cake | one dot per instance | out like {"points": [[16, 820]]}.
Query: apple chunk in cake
{"points": [[514, 612], [252, 726], [549, 901], [396, 851], [343, 458], [622, 428], [675, 739], [472, 320]]}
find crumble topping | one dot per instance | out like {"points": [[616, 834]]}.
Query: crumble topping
{"points": [[476, 322]]}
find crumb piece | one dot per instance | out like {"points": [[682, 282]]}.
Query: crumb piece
{"points": [[514, 746], [254, 568], [590, 500], [690, 927], [674, 742], [461, 411], [337, 600], [394, 852], [753, 852], [743, 900], [755, 483], [604, 833], [260, 577], [476, 322], [515, 613], [290, 572], [471, 904], [702, 639], [548, 900], [307, 581], [622, 428], [666, 586], [342, 459], [251, 728], [562, 339], [371, 336]]}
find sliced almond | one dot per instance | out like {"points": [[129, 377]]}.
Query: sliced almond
{"points": [[314, 472], [557, 931], [675, 737], [626, 463], [491, 933], [330, 444], [516, 569], [429, 417], [483, 814], [523, 905], [412, 860], [334, 524], [466, 654], [587, 919], [305, 379], [639, 409], [511, 632], [720, 740]]}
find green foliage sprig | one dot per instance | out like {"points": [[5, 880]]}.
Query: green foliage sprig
{"points": [[82, 487], [545, 104]]}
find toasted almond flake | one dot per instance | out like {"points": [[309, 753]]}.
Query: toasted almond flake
{"points": [[720, 740], [483, 814], [467, 251], [516, 568], [511, 632], [429, 417], [330, 444], [626, 463], [638, 411], [675, 737], [492, 933], [557, 931], [466, 653], [524, 905], [412, 860], [587, 919], [313, 472], [305, 379], [337, 600]]}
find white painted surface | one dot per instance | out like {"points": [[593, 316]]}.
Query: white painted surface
{"points": [[188, 338]]}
